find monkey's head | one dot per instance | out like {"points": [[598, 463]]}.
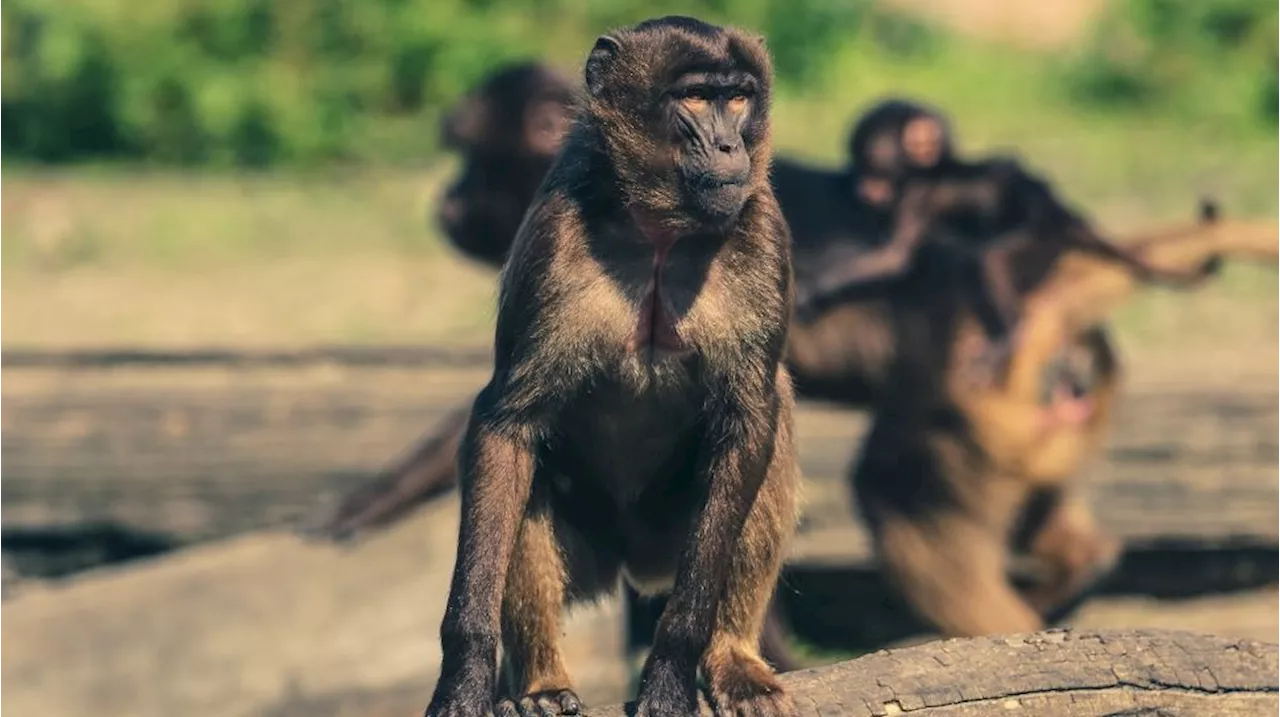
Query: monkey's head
{"points": [[521, 110], [681, 109], [893, 140], [508, 131]]}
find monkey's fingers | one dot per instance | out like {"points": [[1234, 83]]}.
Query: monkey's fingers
{"points": [[740, 684], [552, 703]]}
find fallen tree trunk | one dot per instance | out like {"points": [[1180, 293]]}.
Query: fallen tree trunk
{"points": [[1058, 673]]}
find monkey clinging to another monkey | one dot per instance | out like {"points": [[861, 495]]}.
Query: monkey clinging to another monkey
{"points": [[638, 420], [994, 215]]}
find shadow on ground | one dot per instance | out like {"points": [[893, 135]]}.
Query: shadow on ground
{"points": [[851, 608]]}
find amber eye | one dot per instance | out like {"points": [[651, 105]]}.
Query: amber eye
{"points": [[694, 101], [737, 103]]}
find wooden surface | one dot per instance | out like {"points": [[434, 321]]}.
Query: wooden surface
{"points": [[245, 622], [1052, 674]]}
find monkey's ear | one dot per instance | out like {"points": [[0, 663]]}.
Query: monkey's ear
{"points": [[602, 55], [545, 124]]}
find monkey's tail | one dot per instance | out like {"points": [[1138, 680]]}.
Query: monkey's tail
{"points": [[429, 472]]}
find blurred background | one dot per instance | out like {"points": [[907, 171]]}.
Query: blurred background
{"points": [[247, 176]]}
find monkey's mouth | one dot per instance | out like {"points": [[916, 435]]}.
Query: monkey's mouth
{"points": [[716, 198], [1067, 404]]}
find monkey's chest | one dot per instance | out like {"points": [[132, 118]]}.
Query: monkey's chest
{"points": [[657, 298], [625, 446]]}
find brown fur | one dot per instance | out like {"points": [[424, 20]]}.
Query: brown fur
{"points": [[638, 421]]}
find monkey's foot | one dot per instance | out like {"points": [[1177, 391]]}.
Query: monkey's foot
{"points": [[1191, 278], [548, 703], [742, 685], [667, 690], [1094, 559]]}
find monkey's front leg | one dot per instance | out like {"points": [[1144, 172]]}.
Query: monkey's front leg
{"points": [[741, 448], [496, 464]]}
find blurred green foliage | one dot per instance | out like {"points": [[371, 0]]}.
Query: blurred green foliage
{"points": [[263, 82], [1148, 53]]}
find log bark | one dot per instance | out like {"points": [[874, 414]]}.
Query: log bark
{"points": [[1058, 673]]}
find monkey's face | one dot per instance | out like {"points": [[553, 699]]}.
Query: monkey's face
{"points": [[705, 116], [924, 141], [683, 111]]}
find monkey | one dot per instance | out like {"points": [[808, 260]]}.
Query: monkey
{"points": [[989, 210], [954, 476], [508, 131], [638, 419], [833, 357]]}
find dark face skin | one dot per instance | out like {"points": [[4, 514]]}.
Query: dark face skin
{"points": [[700, 119], [707, 113]]}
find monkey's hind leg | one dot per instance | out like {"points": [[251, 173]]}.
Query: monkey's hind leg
{"points": [[951, 570], [536, 679], [739, 680]]}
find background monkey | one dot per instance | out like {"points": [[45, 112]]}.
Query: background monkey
{"points": [[991, 210], [953, 477], [508, 130], [639, 417]]}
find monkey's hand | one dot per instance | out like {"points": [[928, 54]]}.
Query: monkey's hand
{"points": [[667, 689], [550, 703], [466, 685]]}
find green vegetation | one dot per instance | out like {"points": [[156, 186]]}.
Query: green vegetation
{"points": [[149, 232], [259, 82]]}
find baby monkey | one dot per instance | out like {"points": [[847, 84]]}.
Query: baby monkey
{"points": [[638, 419]]}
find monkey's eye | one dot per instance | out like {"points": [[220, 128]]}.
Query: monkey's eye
{"points": [[695, 100], [738, 102]]}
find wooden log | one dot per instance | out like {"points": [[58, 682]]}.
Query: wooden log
{"points": [[1058, 673]]}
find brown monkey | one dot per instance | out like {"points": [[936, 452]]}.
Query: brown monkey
{"points": [[833, 357], [638, 420], [507, 131], [949, 469], [836, 356]]}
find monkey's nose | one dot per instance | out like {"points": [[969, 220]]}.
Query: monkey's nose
{"points": [[725, 147]]}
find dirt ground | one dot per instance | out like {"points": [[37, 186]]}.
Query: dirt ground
{"points": [[243, 618]]}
